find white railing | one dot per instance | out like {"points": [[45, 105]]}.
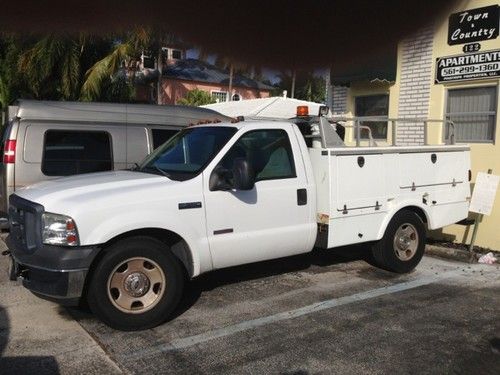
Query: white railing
{"points": [[358, 127]]}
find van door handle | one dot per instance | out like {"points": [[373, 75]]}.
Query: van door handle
{"points": [[301, 197]]}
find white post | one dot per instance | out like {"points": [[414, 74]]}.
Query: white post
{"points": [[328, 90]]}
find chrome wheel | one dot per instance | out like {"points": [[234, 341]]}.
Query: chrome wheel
{"points": [[406, 242], [136, 285]]}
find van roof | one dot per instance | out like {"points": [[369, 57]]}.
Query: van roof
{"points": [[114, 113]]}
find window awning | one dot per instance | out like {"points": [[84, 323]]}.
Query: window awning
{"points": [[371, 68]]}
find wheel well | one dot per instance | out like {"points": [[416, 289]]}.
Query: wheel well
{"points": [[177, 245], [418, 211]]}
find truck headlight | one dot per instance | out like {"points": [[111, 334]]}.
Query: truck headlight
{"points": [[59, 230]]}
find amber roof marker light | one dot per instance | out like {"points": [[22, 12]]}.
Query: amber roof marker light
{"points": [[302, 110]]}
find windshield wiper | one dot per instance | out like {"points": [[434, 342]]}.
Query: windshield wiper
{"points": [[150, 168], [162, 171], [136, 167]]}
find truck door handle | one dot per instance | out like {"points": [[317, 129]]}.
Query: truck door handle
{"points": [[301, 197]]}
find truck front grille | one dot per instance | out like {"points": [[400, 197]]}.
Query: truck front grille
{"points": [[25, 219]]}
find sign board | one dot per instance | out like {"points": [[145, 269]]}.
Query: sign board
{"points": [[473, 25], [484, 193], [471, 48], [479, 65]]}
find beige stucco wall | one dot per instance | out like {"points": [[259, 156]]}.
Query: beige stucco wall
{"points": [[484, 156]]}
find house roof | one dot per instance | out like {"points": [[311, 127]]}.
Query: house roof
{"points": [[274, 107], [201, 71]]}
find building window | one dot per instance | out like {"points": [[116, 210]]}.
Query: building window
{"points": [[73, 152], [219, 96], [148, 61], [473, 112], [236, 98], [373, 105], [176, 54]]}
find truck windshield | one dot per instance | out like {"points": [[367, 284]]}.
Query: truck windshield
{"points": [[188, 152]]}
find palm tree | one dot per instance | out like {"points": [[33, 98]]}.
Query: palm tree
{"points": [[105, 68], [53, 61], [12, 83], [125, 56], [305, 85], [237, 67]]}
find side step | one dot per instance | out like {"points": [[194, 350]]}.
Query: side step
{"points": [[466, 222]]}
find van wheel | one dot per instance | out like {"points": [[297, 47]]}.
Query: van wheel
{"points": [[136, 285], [403, 244]]}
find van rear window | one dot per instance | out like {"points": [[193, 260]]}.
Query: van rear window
{"points": [[160, 136], [74, 152]]}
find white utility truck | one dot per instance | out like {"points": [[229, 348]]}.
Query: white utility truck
{"points": [[220, 195]]}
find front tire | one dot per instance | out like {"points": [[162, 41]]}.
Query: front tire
{"points": [[402, 247], [136, 285]]}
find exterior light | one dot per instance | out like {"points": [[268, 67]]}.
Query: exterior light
{"points": [[302, 110]]}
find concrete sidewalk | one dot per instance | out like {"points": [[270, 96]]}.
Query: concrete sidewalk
{"points": [[39, 337]]}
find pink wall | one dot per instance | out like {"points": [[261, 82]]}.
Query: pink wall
{"points": [[174, 89]]}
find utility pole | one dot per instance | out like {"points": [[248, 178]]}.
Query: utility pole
{"points": [[231, 73], [159, 66]]}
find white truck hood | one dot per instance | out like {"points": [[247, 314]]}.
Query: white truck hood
{"points": [[90, 187], [107, 204]]}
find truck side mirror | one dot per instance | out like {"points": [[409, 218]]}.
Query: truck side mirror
{"points": [[243, 175], [219, 179]]}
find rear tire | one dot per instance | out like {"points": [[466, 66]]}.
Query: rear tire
{"points": [[136, 285], [403, 244]]}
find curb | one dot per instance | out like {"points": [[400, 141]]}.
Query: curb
{"points": [[449, 253]]}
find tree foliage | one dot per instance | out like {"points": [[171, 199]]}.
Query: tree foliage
{"points": [[124, 60], [307, 86], [99, 76], [248, 70], [12, 83], [196, 98], [74, 66], [52, 67]]}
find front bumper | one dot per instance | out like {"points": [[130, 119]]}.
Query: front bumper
{"points": [[55, 272]]}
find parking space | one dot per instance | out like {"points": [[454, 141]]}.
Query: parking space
{"points": [[317, 313]]}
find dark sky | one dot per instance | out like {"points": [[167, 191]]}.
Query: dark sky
{"points": [[277, 34]]}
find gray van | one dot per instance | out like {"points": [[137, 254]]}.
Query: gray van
{"points": [[45, 140]]}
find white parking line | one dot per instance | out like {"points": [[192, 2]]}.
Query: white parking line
{"points": [[187, 342]]}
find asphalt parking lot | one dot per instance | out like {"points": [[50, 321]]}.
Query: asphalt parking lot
{"points": [[321, 313]]}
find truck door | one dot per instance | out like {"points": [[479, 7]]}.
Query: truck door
{"points": [[269, 221]]}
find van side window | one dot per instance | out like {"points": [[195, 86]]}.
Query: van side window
{"points": [[160, 136], [73, 152], [268, 151]]}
